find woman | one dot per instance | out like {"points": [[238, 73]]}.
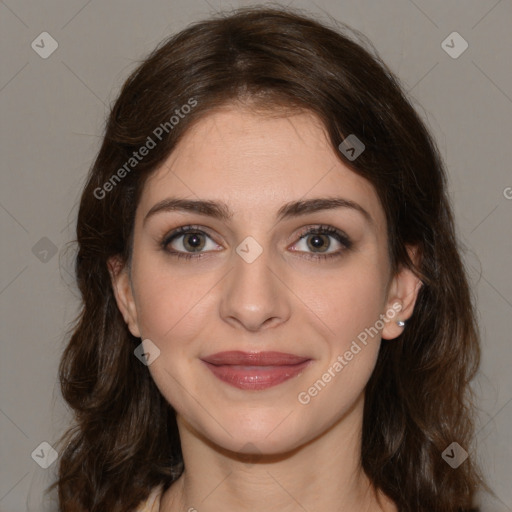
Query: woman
{"points": [[275, 313]]}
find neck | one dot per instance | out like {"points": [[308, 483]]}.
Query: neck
{"points": [[322, 474]]}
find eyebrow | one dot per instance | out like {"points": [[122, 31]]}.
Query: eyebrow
{"points": [[221, 211]]}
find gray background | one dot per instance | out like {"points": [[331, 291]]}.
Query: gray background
{"points": [[53, 112]]}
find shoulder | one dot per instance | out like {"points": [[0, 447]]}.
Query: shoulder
{"points": [[152, 503]]}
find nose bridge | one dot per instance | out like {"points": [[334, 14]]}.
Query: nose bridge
{"points": [[253, 293]]}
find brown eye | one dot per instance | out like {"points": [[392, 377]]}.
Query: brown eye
{"points": [[188, 241], [193, 242], [318, 242]]}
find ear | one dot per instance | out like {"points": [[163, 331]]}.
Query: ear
{"points": [[402, 295], [121, 284]]}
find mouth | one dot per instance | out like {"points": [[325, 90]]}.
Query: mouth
{"points": [[255, 370]]}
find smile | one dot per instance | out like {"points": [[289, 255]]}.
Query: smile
{"points": [[255, 370]]}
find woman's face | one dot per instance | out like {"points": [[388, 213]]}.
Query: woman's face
{"points": [[248, 279]]}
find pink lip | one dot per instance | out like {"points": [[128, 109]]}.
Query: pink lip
{"points": [[255, 370]]}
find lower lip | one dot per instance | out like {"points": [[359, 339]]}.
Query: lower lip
{"points": [[256, 377]]}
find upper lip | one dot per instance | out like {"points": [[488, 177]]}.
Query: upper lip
{"points": [[237, 357]]}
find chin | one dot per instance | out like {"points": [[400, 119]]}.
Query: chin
{"points": [[257, 433]]}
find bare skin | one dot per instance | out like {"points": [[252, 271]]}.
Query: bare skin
{"points": [[305, 453]]}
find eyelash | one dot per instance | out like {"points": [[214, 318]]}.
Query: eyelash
{"points": [[340, 236]]}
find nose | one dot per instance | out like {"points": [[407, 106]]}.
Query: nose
{"points": [[254, 295]]}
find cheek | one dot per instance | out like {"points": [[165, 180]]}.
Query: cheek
{"points": [[350, 307], [170, 308], [168, 302], [349, 300]]}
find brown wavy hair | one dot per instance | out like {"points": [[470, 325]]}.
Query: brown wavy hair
{"points": [[124, 440]]}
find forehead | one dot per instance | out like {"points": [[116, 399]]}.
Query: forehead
{"points": [[256, 162]]}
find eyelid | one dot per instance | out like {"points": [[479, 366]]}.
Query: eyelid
{"points": [[325, 229], [183, 230], [339, 235]]}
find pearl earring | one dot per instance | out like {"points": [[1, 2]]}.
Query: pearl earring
{"points": [[401, 323]]}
